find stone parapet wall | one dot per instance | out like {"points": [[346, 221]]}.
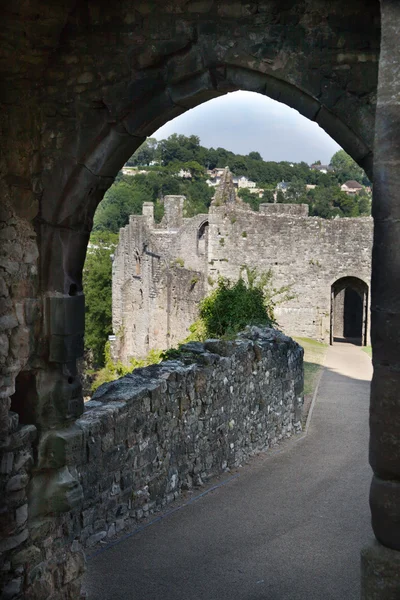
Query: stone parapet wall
{"points": [[155, 432], [144, 439], [162, 429]]}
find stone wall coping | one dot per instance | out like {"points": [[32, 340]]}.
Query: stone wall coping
{"points": [[113, 397]]}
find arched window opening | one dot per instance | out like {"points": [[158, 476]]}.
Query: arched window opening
{"points": [[202, 239], [349, 309]]}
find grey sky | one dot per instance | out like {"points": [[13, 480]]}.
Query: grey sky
{"points": [[246, 121]]}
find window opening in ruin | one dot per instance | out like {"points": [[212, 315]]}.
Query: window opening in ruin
{"points": [[202, 239], [349, 309]]}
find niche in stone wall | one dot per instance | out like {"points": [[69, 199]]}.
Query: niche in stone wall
{"points": [[349, 309], [202, 239], [24, 401]]}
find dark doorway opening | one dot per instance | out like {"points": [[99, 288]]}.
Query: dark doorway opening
{"points": [[349, 307]]}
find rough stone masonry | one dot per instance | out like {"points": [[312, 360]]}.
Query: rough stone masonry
{"points": [[83, 85], [145, 438]]}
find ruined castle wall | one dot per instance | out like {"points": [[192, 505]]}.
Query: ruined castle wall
{"points": [[155, 309], [160, 430], [158, 281], [307, 253]]}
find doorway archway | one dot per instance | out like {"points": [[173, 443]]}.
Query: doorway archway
{"points": [[349, 310]]}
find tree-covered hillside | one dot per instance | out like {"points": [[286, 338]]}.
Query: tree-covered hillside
{"points": [[162, 162]]}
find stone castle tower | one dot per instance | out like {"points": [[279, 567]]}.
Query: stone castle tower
{"points": [[161, 272]]}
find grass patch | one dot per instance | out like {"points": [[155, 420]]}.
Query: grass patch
{"points": [[314, 356], [368, 350]]}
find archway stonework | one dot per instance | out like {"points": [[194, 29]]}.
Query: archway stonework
{"points": [[81, 92]]}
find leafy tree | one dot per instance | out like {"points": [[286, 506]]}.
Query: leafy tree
{"points": [[97, 287], [296, 192], [267, 197], [145, 154], [280, 197], [255, 156], [346, 168], [196, 170], [252, 199], [119, 202], [364, 203]]}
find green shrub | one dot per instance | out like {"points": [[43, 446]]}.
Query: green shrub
{"points": [[112, 371], [232, 306], [179, 262]]}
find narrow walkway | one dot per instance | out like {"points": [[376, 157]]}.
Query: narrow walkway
{"points": [[290, 527]]}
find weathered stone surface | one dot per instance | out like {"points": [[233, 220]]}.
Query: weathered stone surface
{"points": [[67, 105], [14, 541], [17, 482], [155, 431]]}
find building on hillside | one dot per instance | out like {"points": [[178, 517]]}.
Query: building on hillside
{"points": [[133, 171], [322, 168], [184, 173], [283, 186], [351, 187], [243, 182], [162, 271]]}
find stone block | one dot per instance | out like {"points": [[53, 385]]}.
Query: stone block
{"points": [[18, 482], [193, 91], [380, 573], [7, 461], [3, 288], [23, 460], [73, 567], [62, 447], [19, 343], [64, 349], [13, 541], [4, 344], [21, 515], [55, 492], [30, 555], [12, 589], [23, 437], [385, 509], [66, 315], [95, 538], [8, 321]]}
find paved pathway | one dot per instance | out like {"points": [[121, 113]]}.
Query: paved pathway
{"points": [[290, 527]]}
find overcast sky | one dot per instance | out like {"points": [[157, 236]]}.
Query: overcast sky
{"points": [[246, 121]]}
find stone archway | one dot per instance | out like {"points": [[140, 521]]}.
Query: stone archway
{"points": [[83, 90], [349, 308]]}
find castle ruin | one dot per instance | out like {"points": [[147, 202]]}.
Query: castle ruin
{"points": [[162, 271]]}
